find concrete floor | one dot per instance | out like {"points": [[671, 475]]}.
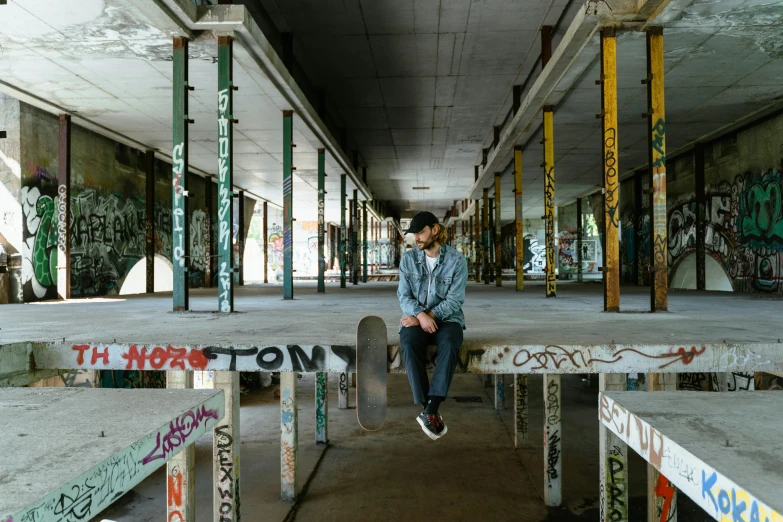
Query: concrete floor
{"points": [[494, 316], [397, 473]]}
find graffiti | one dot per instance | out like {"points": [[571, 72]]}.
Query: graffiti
{"points": [[224, 456], [321, 407], [552, 432], [617, 484], [500, 391], [736, 503], [646, 440], [178, 212], [179, 429], [174, 497], [611, 180], [288, 462], [743, 229], [534, 254], [344, 386], [694, 381], [553, 357], [549, 231], [739, 381], [40, 241], [157, 358], [665, 509], [659, 145], [683, 467], [62, 206], [274, 253], [199, 240], [521, 404], [107, 239], [566, 243], [225, 288]]}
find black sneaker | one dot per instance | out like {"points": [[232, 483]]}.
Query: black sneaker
{"points": [[432, 425]]}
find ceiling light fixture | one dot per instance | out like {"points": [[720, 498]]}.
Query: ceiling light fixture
{"points": [[421, 188]]}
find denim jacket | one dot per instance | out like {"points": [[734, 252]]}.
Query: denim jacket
{"points": [[447, 291]]}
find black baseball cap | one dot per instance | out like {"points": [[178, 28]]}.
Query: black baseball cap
{"points": [[421, 220]]}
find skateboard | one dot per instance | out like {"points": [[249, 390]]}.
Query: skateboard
{"points": [[371, 373]]}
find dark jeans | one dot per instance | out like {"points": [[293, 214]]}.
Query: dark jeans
{"points": [[414, 342]]}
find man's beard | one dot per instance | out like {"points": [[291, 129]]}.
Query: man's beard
{"points": [[427, 245]]}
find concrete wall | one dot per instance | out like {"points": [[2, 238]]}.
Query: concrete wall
{"points": [[10, 177], [743, 213]]}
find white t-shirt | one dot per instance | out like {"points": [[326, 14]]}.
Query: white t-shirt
{"points": [[430, 263]]}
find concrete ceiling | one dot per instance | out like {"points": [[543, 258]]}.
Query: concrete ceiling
{"points": [[419, 85], [109, 63]]}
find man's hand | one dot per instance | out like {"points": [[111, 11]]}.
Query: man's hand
{"points": [[427, 323], [409, 321]]}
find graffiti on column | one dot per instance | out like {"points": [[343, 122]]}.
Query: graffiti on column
{"points": [[224, 203], [552, 439], [659, 208], [227, 486], [39, 273], [549, 230], [743, 231], [178, 166]]}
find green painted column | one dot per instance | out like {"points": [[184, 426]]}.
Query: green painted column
{"points": [[355, 240], [288, 205], [364, 241], [321, 194], [342, 230], [179, 156], [225, 176]]}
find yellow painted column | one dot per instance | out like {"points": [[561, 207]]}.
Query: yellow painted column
{"points": [[485, 237], [659, 301], [498, 228], [549, 201], [611, 170], [477, 239], [520, 250]]}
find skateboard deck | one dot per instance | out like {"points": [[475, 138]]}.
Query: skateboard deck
{"points": [[371, 372]]}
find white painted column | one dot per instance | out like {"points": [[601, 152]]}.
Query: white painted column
{"points": [[321, 408], [181, 469], [520, 411], [225, 451], [289, 435], [500, 392], [661, 494], [553, 444], [614, 460], [342, 398]]}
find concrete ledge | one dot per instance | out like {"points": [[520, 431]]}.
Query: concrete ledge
{"points": [[491, 359], [64, 471]]}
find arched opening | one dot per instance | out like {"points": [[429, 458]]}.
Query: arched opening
{"points": [[684, 276], [136, 280]]}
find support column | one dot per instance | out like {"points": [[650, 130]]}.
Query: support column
{"points": [[225, 451], [657, 133], [241, 240], [64, 208], [289, 436], [321, 408], [266, 243], [343, 235], [637, 221], [701, 251], [497, 232], [661, 493], [553, 446], [580, 232], [321, 195], [521, 436], [518, 223], [485, 237], [149, 220], [614, 460], [288, 205], [181, 469], [209, 238], [477, 240], [500, 392], [355, 239], [611, 178], [472, 246], [491, 240], [364, 241], [342, 397], [549, 201], [225, 174], [179, 166]]}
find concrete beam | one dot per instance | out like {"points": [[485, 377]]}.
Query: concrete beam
{"points": [[488, 359], [17, 366], [127, 436], [703, 451], [255, 53]]}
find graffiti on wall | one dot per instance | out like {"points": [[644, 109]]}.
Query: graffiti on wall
{"points": [[39, 254], [534, 254], [107, 239], [743, 231]]}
